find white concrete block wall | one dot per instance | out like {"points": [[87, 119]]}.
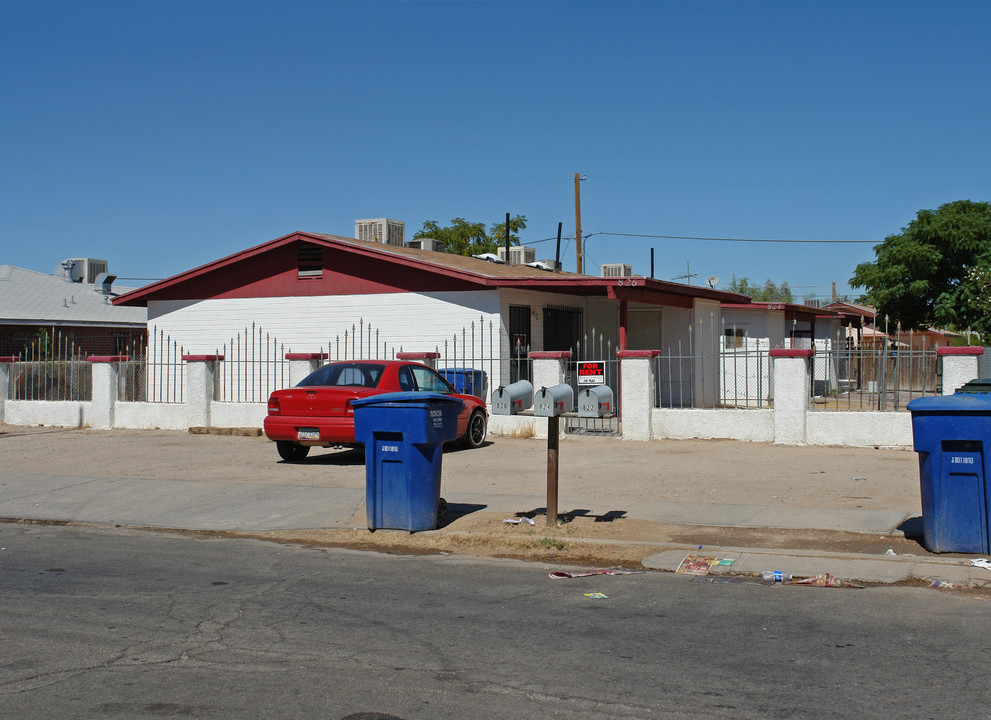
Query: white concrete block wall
{"points": [[687, 424], [638, 370], [791, 395], [959, 366], [68, 414], [151, 416], [789, 423]]}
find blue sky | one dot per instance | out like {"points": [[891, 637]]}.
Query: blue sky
{"points": [[160, 136]]}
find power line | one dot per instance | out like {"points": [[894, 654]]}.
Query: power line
{"points": [[743, 240]]}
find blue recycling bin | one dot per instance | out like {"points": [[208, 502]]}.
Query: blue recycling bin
{"points": [[404, 435], [950, 433], [466, 381]]}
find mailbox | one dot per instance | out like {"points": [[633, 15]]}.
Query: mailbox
{"points": [[595, 402], [512, 399], [554, 401]]}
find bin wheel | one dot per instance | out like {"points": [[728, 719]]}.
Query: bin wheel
{"points": [[475, 434], [441, 512], [292, 452]]}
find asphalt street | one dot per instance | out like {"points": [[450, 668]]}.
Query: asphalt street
{"points": [[111, 623]]}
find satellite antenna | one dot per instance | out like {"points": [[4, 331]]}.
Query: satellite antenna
{"points": [[712, 281]]}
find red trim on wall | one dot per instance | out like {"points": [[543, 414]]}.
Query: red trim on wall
{"points": [[418, 355], [965, 350], [550, 355], [307, 356], [202, 358], [792, 352], [108, 358], [624, 354], [10, 358]]}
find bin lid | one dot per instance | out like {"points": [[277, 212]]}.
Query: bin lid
{"points": [[957, 403], [405, 398], [977, 385]]}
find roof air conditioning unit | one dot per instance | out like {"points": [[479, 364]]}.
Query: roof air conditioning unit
{"points": [[426, 244], [82, 270], [518, 254], [813, 303], [380, 230], [617, 270]]}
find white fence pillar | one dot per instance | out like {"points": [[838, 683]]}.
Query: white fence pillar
{"points": [[201, 386], [104, 371], [791, 394], [302, 364], [427, 358], [550, 367], [637, 386], [959, 366], [6, 365]]}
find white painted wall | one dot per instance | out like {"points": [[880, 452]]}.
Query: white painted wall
{"points": [[151, 416], [745, 425], [420, 322], [859, 429], [43, 412]]}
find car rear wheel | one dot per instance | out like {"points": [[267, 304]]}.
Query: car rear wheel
{"points": [[292, 452], [475, 434]]}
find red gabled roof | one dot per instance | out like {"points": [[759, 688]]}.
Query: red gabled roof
{"points": [[219, 279]]}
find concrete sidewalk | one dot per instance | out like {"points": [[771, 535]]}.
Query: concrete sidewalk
{"points": [[236, 484], [224, 506]]}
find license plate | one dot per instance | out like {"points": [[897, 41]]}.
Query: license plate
{"points": [[307, 434]]}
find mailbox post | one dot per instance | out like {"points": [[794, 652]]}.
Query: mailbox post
{"points": [[552, 402]]}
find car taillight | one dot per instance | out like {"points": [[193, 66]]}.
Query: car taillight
{"points": [[274, 408], [348, 410]]}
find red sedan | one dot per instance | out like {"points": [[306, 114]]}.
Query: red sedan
{"points": [[318, 412]]}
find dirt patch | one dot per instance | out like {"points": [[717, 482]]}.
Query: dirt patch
{"points": [[580, 541]]}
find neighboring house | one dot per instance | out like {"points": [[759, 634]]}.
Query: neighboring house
{"points": [[782, 324], [307, 289], [77, 317], [866, 329]]}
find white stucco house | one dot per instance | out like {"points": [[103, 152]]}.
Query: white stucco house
{"points": [[308, 288]]}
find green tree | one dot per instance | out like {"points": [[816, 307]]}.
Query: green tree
{"points": [[470, 238], [928, 274], [768, 292]]}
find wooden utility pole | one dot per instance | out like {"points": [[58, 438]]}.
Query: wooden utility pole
{"points": [[578, 222]]}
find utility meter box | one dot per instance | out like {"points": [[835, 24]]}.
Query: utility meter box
{"points": [[595, 402], [512, 399], [554, 401]]}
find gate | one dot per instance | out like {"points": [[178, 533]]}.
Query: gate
{"points": [[594, 348]]}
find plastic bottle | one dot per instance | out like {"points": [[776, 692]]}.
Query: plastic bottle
{"points": [[777, 576]]}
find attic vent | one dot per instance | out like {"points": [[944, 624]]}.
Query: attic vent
{"points": [[309, 261], [617, 270]]}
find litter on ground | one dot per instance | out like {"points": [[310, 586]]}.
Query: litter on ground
{"points": [[701, 564], [563, 575]]}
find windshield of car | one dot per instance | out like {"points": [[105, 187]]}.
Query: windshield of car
{"points": [[345, 375]]}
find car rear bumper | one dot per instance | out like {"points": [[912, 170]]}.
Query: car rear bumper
{"points": [[333, 431]]}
